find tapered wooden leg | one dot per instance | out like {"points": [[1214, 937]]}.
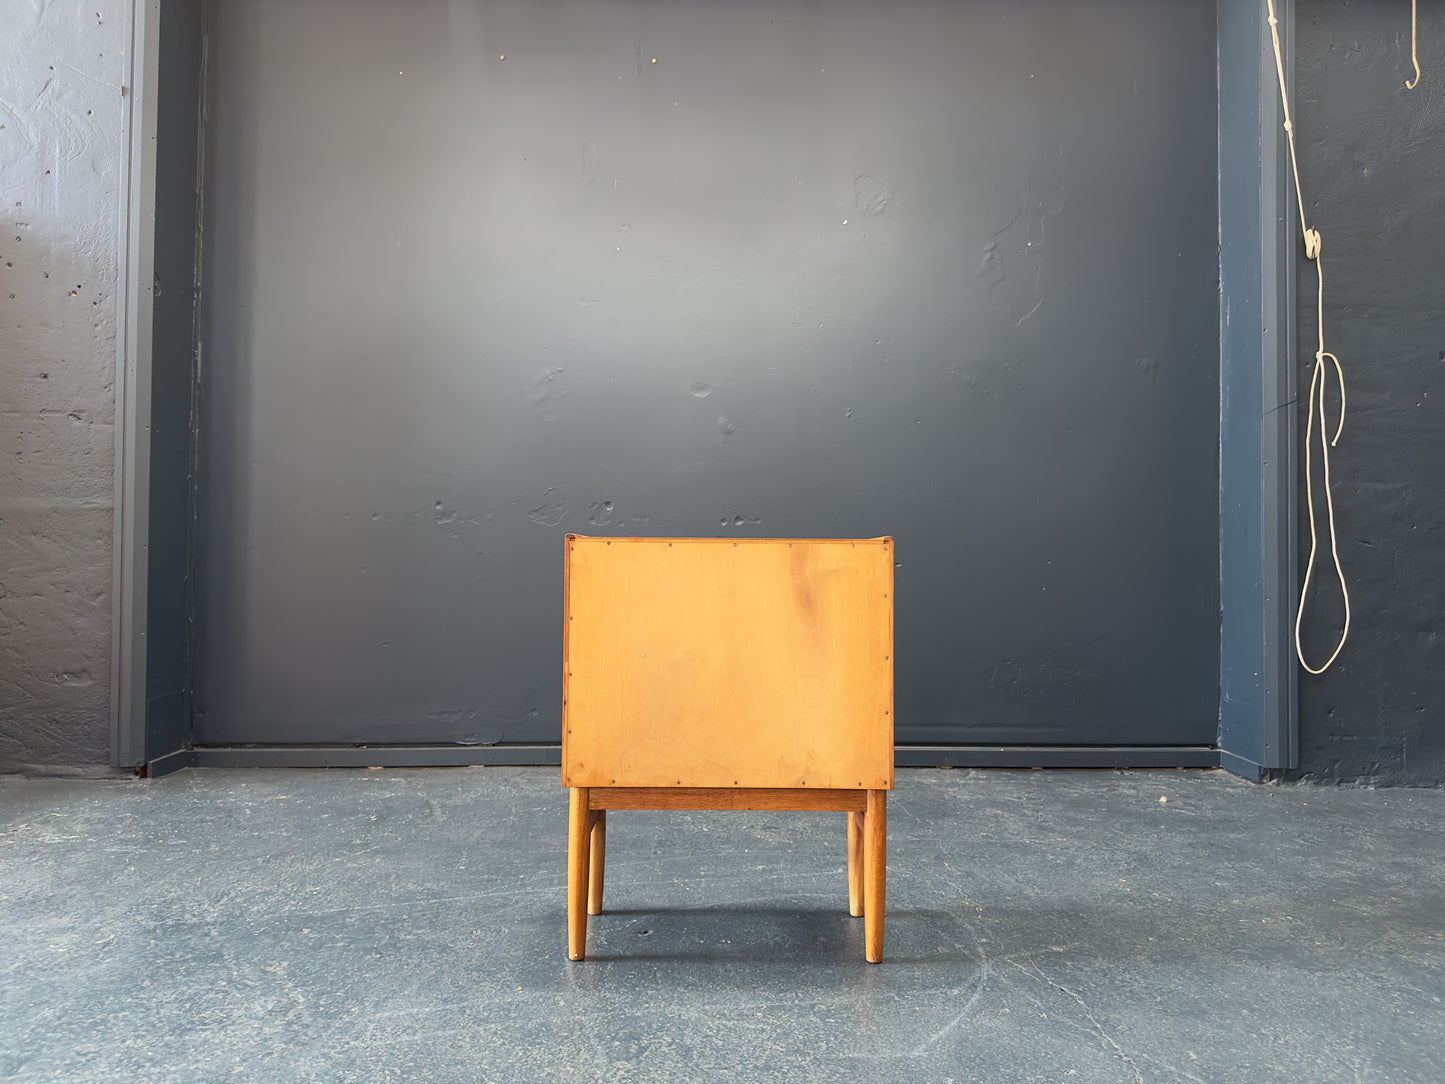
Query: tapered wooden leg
{"points": [[599, 861], [855, 864], [875, 873], [578, 858]]}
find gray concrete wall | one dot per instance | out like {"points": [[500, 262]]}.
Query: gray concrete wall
{"points": [[1372, 156], [60, 150]]}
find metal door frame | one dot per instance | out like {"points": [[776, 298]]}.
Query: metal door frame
{"points": [[134, 319]]}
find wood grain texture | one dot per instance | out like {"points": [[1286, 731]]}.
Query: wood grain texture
{"points": [[875, 873], [579, 831], [855, 864], [714, 663], [761, 798], [598, 865]]}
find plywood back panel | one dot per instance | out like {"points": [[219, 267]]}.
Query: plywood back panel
{"points": [[714, 663]]}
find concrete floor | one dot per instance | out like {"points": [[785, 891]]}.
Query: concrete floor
{"points": [[409, 925]]}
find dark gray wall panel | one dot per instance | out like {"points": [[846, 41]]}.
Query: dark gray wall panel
{"points": [[943, 271], [1257, 681], [1372, 155], [172, 372]]}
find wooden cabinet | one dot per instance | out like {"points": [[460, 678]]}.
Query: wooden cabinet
{"points": [[721, 674]]}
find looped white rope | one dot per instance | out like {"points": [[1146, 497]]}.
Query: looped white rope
{"points": [[1411, 84], [1313, 244]]}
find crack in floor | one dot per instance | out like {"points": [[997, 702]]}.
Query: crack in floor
{"points": [[1119, 1050]]}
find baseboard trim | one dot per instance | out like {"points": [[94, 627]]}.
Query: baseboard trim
{"points": [[171, 762], [1247, 769], [905, 756], [1055, 756], [370, 756]]}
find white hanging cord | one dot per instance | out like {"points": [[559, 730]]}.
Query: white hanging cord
{"points": [[1317, 388], [1410, 84]]}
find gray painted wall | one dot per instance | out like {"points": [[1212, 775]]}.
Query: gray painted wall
{"points": [[1372, 156], [940, 270], [60, 146]]}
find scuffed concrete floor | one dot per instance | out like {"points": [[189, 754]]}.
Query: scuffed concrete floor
{"points": [[409, 925]]}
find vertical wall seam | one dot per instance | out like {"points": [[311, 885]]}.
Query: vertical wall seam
{"points": [[193, 438], [1220, 503], [119, 644], [134, 290], [1283, 557], [121, 558]]}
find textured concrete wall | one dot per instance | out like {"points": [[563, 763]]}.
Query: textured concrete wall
{"points": [[60, 150], [1372, 156]]}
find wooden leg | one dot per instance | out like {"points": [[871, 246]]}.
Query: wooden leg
{"points": [[875, 873], [855, 864], [578, 859], [599, 861]]}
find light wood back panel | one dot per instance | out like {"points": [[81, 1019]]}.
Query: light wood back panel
{"points": [[713, 663]]}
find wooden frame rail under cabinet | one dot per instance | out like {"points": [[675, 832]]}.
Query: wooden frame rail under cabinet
{"points": [[704, 673]]}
